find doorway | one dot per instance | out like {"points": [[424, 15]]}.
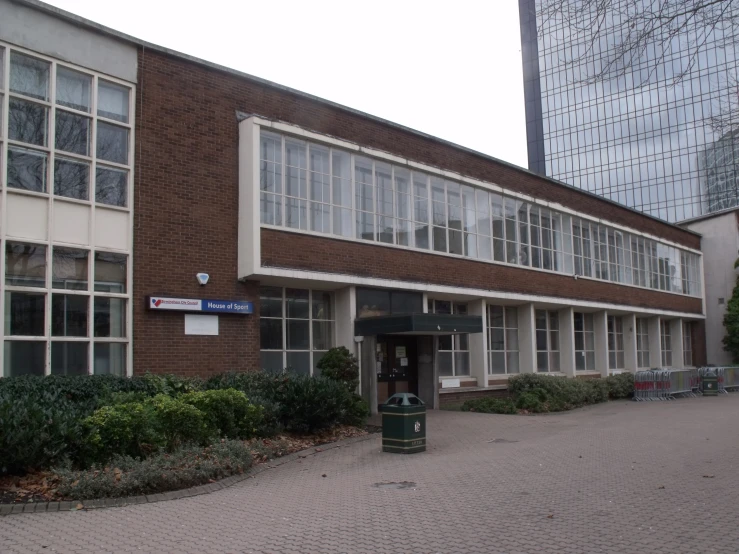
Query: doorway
{"points": [[396, 359]]}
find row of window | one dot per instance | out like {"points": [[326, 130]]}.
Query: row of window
{"points": [[67, 132], [297, 328], [313, 187]]}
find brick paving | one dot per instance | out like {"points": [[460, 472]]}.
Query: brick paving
{"points": [[619, 477]]}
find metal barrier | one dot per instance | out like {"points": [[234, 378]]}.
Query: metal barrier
{"points": [[665, 384], [728, 377]]}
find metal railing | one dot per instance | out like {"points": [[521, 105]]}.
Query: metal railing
{"points": [[665, 384], [728, 377]]}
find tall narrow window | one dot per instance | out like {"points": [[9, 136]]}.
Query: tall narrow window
{"points": [[665, 343], [615, 342], [642, 342], [502, 339], [454, 350], [421, 210], [296, 184], [688, 344], [320, 189], [270, 178], [547, 341], [364, 198], [584, 342]]}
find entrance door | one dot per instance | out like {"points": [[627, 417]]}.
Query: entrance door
{"points": [[397, 366]]}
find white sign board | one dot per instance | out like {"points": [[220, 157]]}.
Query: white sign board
{"points": [[449, 383], [201, 324]]}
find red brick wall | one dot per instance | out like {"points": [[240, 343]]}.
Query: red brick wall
{"points": [[186, 200], [298, 251]]}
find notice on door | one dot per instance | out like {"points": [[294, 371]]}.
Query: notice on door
{"points": [[400, 352], [403, 362]]}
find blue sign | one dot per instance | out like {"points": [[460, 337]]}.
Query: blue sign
{"points": [[227, 306], [201, 305]]}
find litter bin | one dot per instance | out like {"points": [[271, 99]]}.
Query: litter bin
{"points": [[404, 424], [709, 383]]}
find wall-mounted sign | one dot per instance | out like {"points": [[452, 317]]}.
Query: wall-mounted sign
{"points": [[200, 305], [196, 324]]}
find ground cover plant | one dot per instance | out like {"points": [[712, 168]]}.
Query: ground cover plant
{"points": [[114, 434], [536, 393]]}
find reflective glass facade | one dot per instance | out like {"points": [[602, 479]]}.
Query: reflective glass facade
{"points": [[648, 146]]}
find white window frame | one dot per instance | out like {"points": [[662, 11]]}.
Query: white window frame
{"points": [[510, 325], [550, 351], [642, 342], [616, 353], [665, 340], [587, 332], [458, 342]]}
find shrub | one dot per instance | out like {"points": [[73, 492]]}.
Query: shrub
{"points": [[620, 386], [227, 411], [179, 422], [559, 393], [340, 365], [531, 402], [39, 430], [269, 424], [185, 467], [124, 429], [489, 405], [309, 404]]}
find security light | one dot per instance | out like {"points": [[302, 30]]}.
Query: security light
{"points": [[202, 278]]}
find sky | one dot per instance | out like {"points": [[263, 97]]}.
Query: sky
{"points": [[449, 69]]}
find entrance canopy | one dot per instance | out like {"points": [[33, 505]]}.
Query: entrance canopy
{"points": [[418, 324]]}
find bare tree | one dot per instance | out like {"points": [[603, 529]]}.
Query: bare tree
{"points": [[619, 35]]}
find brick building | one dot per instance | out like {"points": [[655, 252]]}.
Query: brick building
{"points": [[128, 169]]}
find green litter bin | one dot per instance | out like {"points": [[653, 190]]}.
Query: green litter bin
{"points": [[709, 384], [404, 424]]}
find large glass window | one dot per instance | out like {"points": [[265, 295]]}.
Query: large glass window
{"points": [[296, 328], [377, 302], [615, 342], [50, 127], [642, 342], [502, 339], [454, 350], [665, 337], [84, 330], [331, 191], [547, 341], [584, 342]]}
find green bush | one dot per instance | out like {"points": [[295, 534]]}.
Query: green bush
{"points": [[270, 423], [559, 393], [489, 405], [531, 402], [228, 412], [178, 422], [340, 365], [620, 386], [124, 429], [187, 466]]}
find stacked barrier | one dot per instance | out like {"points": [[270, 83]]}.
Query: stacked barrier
{"points": [[728, 377], [665, 384]]}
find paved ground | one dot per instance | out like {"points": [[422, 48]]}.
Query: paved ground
{"points": [[620, 477]]}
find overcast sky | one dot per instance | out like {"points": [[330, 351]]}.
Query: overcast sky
{"points": [[450, 69]]}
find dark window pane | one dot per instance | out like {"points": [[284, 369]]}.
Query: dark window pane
{"points": [[113, 101], [110, 358], [372, 302], [297, 303], [270, 302], [72, 133], [69, 268], [69, 358], [71, 178], [298, 362], [28, 122], [110, 272], [322, 305], [112, 143], [29, 76], [405, 302], [25, 265], [270, 334], [272, 361], [298, 334], [73, 89], [110, 317], [24, 358], [69, 315], [111, 186], [323, 335], [26, 169], [24, 314]]}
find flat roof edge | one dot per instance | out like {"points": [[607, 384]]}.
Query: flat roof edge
{"points": [[81, 21]]}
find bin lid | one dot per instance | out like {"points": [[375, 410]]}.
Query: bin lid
{"points": [[404, 399]]}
